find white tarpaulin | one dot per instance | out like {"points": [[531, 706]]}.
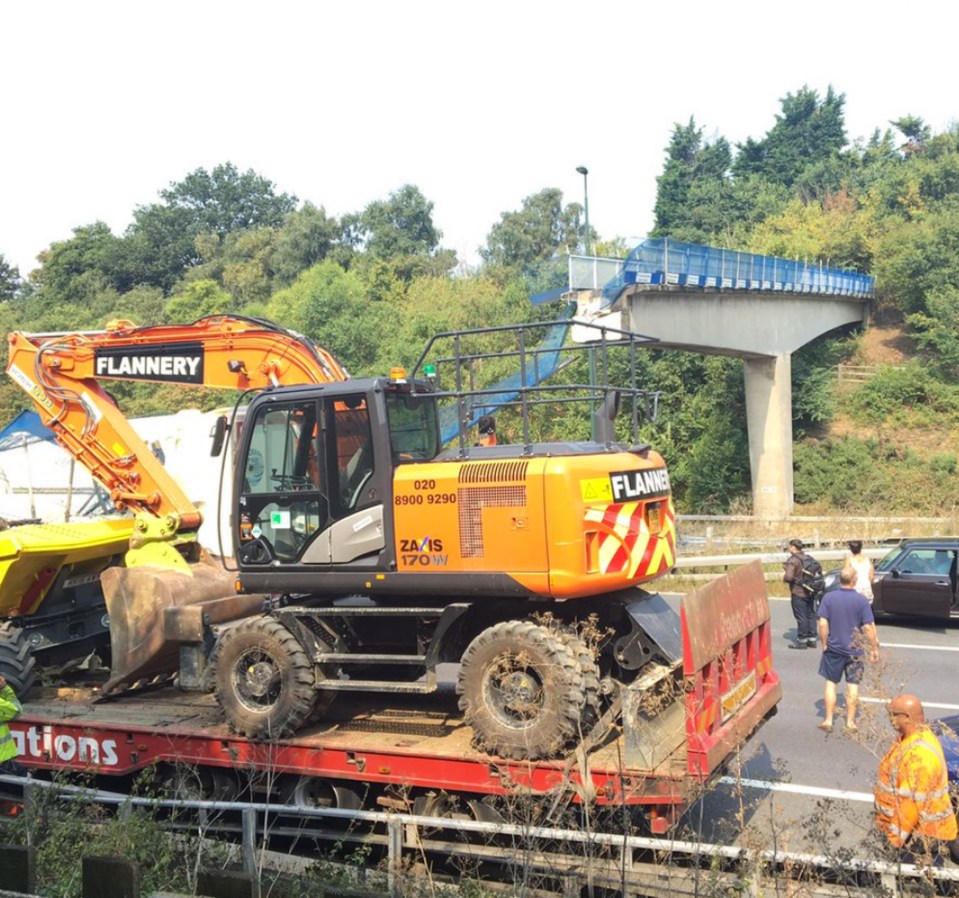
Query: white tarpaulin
{"points": [[40, 480]]}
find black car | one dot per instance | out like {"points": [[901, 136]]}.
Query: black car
{"points": [[916, 578], [946, 728]]}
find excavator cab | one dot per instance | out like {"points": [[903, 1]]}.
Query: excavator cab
{"points": [[314, 472]]}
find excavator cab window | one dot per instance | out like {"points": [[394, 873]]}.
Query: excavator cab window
{"points": [[414, 428], [350, 434], [285, 494]]}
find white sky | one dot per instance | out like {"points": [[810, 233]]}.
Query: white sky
{"points": [[477, 104]]}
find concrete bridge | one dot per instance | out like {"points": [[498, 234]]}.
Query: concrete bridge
{"points": [[722, 302]]}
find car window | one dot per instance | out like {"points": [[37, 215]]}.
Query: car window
{"points": [[925, 561], [888, 561]]}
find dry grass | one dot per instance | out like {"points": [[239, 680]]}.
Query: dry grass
{"points": [[749, 536], [813, 527]]}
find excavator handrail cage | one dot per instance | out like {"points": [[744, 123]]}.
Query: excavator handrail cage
{"points": [[538, 361]]}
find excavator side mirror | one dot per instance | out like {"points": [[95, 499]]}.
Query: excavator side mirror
{"points": [[218, 433]]}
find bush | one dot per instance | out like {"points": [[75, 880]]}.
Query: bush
{"points": [[910, 388], [868, 475]]}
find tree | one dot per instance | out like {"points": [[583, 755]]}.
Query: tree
{"points": [[540, 230], [809, 130], [916, 132], [224, 200], [196, 299], [10, 280], [75, 271], [332, 306], [162, 241], [938, 328], [306, 237], [394, 241], [690, 163], [248, 265], [919, 258], [401, 225], [160, 246]]}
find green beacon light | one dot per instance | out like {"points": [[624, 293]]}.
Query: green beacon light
{"points": [[430, 371]]}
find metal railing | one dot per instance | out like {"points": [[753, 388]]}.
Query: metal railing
{"points": [[664, 262], [615, 864]]}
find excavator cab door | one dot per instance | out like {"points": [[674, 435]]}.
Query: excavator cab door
{"points": [[284, 502], [307, 493]]}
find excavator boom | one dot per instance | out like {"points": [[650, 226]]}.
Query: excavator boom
{"points": [[61, 372]]}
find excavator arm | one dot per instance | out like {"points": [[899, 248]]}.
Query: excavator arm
{"points": [[62, 374], [163, 570]]}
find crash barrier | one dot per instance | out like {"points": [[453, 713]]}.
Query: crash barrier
{"points": [[616, 864], [110, 877], [115, 877], [738, 559], [690, 545]]}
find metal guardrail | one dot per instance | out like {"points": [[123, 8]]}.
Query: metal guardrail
{"points": [[814, 519], [690, 545], [737, 560], [406, 831]]}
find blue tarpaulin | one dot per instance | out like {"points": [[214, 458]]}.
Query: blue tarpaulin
{"points": [[26, 428], [542, 362]]}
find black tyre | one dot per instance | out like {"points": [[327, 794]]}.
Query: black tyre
{"points": [[522, 691], [264, 680], [586, 661], [17, 664]]}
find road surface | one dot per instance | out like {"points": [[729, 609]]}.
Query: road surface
{"points": [[797, 788]]}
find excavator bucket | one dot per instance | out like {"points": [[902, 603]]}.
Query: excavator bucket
{"points": [[137, 600]]}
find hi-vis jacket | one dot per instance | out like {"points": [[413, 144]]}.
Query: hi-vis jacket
{"points": [[912, 792], [9, 709]]}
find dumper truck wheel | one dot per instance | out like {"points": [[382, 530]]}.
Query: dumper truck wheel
{"points": [[264, 679], [522, 690], [17, 664]]}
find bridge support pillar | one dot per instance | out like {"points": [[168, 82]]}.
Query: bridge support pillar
{"points": [[770, 428]]}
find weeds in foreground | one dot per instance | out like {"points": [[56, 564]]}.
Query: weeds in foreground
{"points": [[757, 821]]}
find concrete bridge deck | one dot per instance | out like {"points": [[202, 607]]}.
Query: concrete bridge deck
{"points": [[724, 302]]}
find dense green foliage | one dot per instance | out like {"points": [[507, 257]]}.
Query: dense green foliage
{"points": [[375, 284]]}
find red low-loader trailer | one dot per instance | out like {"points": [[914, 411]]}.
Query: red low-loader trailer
{"points": [[659, 744]]}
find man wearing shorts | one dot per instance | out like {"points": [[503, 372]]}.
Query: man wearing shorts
{"points": [[846, 627]]}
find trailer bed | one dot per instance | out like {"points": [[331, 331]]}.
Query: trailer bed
{"points": [[364, 740], [663, 740]]}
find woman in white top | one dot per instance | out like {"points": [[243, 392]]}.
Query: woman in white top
{"points": [[865, 572]]}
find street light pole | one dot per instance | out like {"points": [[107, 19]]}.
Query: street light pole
{"points": [[584, 171]]}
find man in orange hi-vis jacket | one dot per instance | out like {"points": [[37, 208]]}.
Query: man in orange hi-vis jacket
{"points": [[913, 809]]}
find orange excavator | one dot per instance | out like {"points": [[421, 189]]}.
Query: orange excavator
{"points": [[363, 553]]}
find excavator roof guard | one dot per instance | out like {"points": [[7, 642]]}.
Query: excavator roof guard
{"points": [[475, 377]]}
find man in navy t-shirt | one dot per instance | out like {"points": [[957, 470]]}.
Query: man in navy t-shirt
{"points": [[846, 627]]}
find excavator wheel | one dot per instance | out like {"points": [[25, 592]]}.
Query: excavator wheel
{"points": [[264, 680], [17, 664], [522, 690], [586, 661]]}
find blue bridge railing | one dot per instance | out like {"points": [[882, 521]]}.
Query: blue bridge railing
{"points": [[664, 262]]}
